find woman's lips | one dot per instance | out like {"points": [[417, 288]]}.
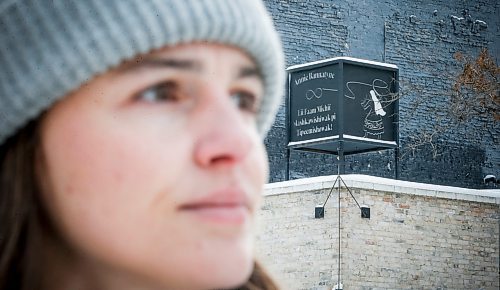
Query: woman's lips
{"points": [[221, 207], [230, 214]]}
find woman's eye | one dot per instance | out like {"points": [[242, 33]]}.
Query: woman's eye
{"points": [[163, 92], [245, 101]]}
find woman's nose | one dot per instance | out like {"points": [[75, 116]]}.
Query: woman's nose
{"points": [[224, 135]]}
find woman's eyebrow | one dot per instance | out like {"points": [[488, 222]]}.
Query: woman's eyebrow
{"points": [[185, 65], [178, 64], [246, 72]]}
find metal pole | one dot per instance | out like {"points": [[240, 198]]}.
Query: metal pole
{"points": [[396, 162], [288, 127], [339, 179], [341, 158], [338, 278], [287, 168]]}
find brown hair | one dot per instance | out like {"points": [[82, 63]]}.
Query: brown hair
{"points": [[259, 280], [24, 220], [20, 215]]}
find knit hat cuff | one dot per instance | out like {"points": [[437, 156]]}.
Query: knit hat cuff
{"points": [[48, 49]]}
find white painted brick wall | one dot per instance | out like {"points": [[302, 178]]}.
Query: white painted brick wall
{"points": [[419, 236]]}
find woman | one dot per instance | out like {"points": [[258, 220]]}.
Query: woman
{"points": [[131, 142]]}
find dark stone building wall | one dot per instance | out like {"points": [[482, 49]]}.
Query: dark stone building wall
{"points": [[420, 37]]}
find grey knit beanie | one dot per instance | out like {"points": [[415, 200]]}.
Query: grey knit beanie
{"points": [[50, 47]]}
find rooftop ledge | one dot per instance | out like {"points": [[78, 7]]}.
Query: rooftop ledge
{"points": [[384, 184]]}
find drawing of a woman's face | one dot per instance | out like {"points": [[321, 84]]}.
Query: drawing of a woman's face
{"points": [[381, 88], [154, 170]]}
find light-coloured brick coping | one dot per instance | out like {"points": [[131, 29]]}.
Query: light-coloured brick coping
{"points": [[384, 184]]}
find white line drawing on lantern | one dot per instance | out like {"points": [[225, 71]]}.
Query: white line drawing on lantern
{"points": [[379, 93], [317, 93], [376, 102]]}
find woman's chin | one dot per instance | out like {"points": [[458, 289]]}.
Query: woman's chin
{"points": [[215, 270], [234, 276], [223, 269]]}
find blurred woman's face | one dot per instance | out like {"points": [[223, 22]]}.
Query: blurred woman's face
{"points": [[154, 170]]}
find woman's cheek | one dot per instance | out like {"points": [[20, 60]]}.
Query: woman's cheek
{"points": [[103, 170]]}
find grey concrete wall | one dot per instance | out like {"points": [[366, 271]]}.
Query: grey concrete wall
{"points": [[418, 237], [420, 37]]}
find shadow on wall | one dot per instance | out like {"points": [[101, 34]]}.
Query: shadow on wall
{"points": [[458, 165], [461, 166]]}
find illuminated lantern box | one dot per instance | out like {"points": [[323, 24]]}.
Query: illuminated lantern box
{"points": [[342, 106]]}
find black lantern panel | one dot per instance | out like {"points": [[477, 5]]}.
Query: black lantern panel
{"points": [[343, 99]]}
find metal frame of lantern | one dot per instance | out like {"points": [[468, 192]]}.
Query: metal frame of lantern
{"points": [[351, 103]]}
